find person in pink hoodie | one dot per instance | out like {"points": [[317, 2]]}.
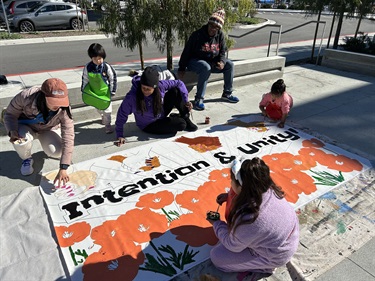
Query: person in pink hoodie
{"points": [[261, 231], [277, 103]]}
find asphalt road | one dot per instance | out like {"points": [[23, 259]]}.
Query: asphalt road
{"points": [[65, 55]]}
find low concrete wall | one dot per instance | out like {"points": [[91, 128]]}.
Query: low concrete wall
{"points": [[349, 61], [256, 70], [245, 72]]}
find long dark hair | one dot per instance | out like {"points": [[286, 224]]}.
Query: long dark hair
{"points": [[256, 180], [278, 88], [140, 100], [41, 105]]}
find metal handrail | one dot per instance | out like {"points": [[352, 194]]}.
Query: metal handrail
{"points": [[256, 29], [282, 32], [291, 29]]}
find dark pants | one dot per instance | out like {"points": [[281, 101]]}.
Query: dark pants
{"points": [[170, 124]]}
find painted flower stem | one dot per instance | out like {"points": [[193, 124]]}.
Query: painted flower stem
{"points": [[325, 178]]}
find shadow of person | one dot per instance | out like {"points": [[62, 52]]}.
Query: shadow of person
{"points": [[11, 164], [241, 120], [90, 133]]}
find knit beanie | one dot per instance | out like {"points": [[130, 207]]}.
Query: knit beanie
{"points": [[218, 18], [150, 77]]}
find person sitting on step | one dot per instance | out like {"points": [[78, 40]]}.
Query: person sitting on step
{"points": [[151, 101]]}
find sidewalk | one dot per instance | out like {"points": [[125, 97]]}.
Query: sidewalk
{"points": [[336, 104]]}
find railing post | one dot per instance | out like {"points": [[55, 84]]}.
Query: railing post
{"points": [[321, 42], [278, 40]]}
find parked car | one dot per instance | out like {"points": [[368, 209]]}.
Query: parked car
{"points": [[16, 7], [51, 14]]}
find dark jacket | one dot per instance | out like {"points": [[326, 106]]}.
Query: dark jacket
{"points": [[129, 104], [203, 47]]}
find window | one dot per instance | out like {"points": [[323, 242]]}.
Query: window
{"points": [[49, 8], [22, 6], [60, 7]]}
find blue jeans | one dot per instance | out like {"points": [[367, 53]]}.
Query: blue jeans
{"points": [[204, 70]]}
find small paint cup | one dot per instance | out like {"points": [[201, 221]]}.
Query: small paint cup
{"points": [[207, 120]]}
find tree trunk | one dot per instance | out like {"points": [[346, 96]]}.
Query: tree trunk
{"points": [[338, 30], [140, 48], [358, 25], [169, 49], [330, 31]]}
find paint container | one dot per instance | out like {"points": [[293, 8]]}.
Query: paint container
{"points": [[207, 120], [23, 147]]}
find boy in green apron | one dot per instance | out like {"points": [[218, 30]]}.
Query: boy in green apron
{"points": [[99, 84]]}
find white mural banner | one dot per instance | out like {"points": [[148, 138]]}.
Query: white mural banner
{"points": [[140, 214]]}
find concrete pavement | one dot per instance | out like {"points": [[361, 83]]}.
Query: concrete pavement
{"points": [[334, 103]]}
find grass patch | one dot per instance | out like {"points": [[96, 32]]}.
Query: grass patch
{"points": [[247, 20], [6, 35]]}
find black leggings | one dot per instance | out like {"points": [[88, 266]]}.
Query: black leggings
{"points": [[171, 124]]}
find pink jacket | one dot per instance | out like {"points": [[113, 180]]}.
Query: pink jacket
{"points": [[24, 105], [285, 102]]}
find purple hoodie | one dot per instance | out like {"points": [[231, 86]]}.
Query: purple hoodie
{"points": [[269, 242], [129, 105]]}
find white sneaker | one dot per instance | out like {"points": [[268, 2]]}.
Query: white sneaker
{"points": [[27, 167]]}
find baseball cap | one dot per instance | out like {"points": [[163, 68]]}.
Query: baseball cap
{"points": [[56, 92]]}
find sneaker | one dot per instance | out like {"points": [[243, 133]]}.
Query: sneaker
{"points": [[108, 129], [198, 104], [230, 98], [27, 167]]}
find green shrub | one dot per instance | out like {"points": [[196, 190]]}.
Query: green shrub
{"points": [[281, 6], [6, 35], [361, 44]]}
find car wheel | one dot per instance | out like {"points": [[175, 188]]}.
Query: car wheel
{"points": [[76, 24], [26, 26]]}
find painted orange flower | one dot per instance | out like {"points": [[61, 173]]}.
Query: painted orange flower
{"points": [[335, 162], [313, 153], [220, 175], [341, 163], [114, 239], [313, 143], [68, 235], [294, 183], [280, 162], [203, 199], [156, 200], [143, 225], [98, 266], [194, 230]]}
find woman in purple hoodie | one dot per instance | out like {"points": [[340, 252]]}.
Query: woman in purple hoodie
{"points": [[151, 101], [262, 229]]}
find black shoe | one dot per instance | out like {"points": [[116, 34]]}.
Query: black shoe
{"points": [[190, 126], [174, 115]]}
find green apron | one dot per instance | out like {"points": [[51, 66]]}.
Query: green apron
{"points": [[96, 93]]}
